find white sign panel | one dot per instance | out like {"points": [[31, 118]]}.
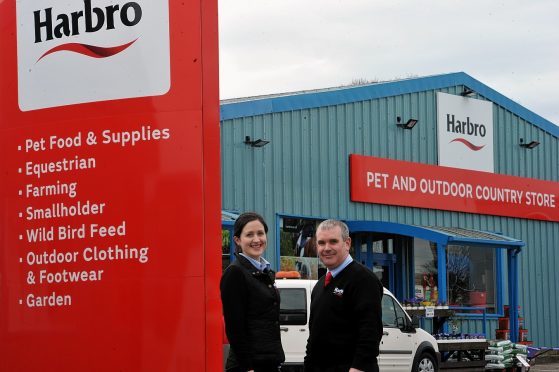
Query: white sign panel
{"points": [[429, 311], [92, 50], [465, 132]]}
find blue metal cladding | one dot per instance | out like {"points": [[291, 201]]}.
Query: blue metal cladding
{"points": [[303, 171], [330, 97]]}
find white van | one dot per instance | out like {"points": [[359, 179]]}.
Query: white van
{"points": [[403, 347]]}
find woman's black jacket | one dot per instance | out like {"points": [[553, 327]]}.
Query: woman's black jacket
{"points": [[251, 311]]}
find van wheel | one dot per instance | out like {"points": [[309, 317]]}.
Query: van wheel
{"points": [[425, 363]]}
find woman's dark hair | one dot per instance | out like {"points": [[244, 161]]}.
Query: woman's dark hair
{"points": [[241, 222]]}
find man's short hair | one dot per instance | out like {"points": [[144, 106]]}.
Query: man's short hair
{"points": [[330, 224]]}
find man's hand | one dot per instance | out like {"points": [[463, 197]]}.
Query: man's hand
{"points": [[355, 370]]}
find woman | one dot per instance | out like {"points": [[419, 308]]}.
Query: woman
{"points": [[251, 301]]}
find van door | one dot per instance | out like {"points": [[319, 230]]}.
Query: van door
{"points": [[294, 317], [396, 346]]}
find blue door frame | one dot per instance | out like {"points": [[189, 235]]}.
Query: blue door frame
{"points": [[371, 259], [386, 260]]}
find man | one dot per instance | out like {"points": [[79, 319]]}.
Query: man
{"points": [[346, 319]]}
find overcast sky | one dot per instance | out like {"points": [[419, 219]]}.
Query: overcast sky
{"points": [[276, 46]]}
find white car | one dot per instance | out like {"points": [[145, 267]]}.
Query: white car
{"points": [[403, 347]]}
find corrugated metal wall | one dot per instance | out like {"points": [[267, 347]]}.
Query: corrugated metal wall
{"points": [[304, 171]]}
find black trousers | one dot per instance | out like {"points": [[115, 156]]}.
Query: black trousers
{"points": [[336, 368], [257, 368]]}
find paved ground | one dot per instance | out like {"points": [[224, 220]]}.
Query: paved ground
{"points": [[553, 367], [542, 367]]}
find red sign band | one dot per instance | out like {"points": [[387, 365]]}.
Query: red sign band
{"points": [[394, 182]]}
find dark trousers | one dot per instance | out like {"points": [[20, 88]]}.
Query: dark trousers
{"points": [[257, 368], [336, 368]]}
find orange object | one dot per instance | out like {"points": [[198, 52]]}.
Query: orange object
{"points": [[478, 298], [288, 275]]}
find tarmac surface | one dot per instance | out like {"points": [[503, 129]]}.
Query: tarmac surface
{"points": [[551, 367]]}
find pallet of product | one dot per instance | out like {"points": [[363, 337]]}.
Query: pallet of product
{"points": [[501, 354]]}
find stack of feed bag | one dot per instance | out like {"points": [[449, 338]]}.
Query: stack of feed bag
{"points": [[502, 354], [520, 349]]}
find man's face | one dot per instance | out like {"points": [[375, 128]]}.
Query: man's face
{"points": [[332, 249]]}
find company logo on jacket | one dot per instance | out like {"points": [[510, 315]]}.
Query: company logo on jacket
{"points": [[338, 292]]}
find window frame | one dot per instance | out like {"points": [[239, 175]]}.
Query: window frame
{"points": [[499, 280], [284, 314]]}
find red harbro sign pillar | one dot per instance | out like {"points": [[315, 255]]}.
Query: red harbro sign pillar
{"points": [[109, 131]]}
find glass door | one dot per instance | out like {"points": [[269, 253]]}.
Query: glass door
{"points": [[383, 267], [377, 254]]}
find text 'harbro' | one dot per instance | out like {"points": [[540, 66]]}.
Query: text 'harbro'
{"points": [[90, 19]]}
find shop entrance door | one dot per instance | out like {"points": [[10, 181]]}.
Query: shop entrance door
{"points": [[377, 253], [383, 267]]}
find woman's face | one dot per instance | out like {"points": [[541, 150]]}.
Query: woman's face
{"points": [[252, 240]]}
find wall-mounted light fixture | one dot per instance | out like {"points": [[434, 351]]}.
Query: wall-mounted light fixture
{"points": [[407, 125], [529, 145], [467, 92], [256, 143]]}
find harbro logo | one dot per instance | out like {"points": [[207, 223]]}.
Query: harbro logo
{"points": [[465, 132], [466, 127], [91, 50], [90, 19], [93, 19]]}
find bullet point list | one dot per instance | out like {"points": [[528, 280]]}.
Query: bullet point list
{"points": [[20, 214], [19, 170], [21, 237], [20, 192], [19, 148]]}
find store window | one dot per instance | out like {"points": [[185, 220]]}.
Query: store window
{"points": [[298, 247], [471, 276], [225, 248], [425, 273]]}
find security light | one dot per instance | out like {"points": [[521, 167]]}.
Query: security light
{"points": [[466, 92], [529, 145], [256, 143], [407, 125]]}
